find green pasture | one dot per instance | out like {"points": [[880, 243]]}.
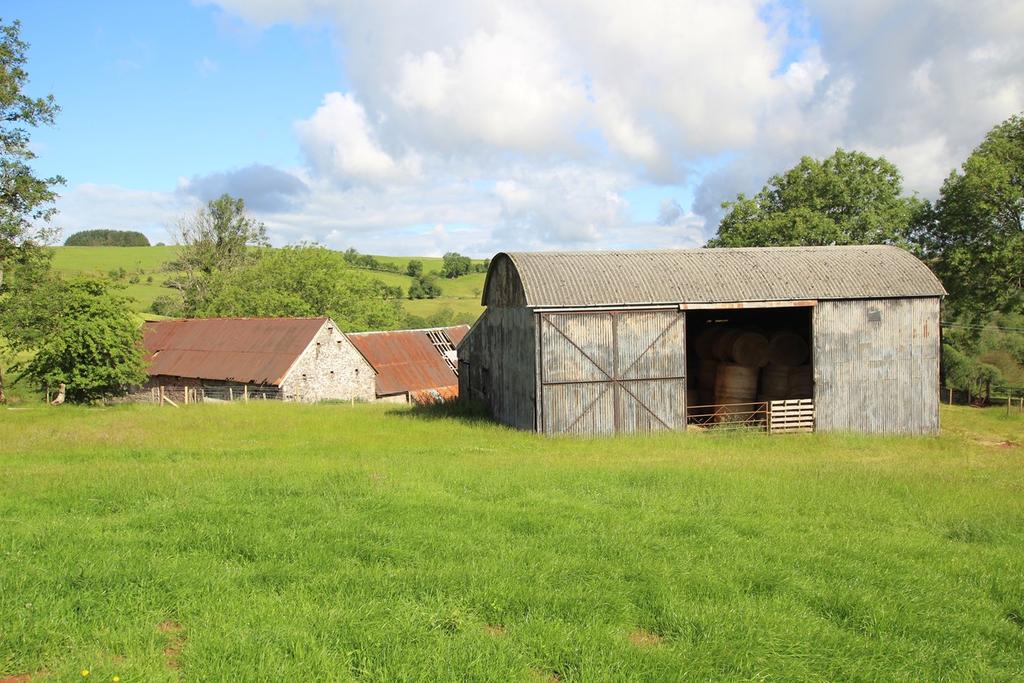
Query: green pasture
{"points": [[274, 542]]}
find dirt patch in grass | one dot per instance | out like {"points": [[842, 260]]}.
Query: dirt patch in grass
{"points": [[494, 630], [642, 638], [175, 642], [999, 444], [546, 676], [20, 678]]}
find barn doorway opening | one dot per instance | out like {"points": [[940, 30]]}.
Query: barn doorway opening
{"points": [[741, 360]]}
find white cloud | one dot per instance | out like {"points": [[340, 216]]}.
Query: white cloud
{"points": [[340, 142], [555, 109]]}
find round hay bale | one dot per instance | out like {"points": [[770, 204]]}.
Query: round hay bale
{"points": [[787, 348], [751, 348], [735, 383], [723, 344], [704, 346], [775, 383], [801, 382], [735, 386]]}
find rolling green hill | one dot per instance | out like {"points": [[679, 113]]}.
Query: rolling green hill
{"points": [[144, 277]]}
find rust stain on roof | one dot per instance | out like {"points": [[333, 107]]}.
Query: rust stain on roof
{"points": [[408, 361], [251, 350]]}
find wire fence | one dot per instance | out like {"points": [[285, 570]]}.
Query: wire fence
{"points": [[176, 395]]}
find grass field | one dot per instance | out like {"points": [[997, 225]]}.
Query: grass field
{"points": [[460, 295], [376, 543]]}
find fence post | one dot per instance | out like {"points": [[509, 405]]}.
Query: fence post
{"points": [[245, 393], [161, 394], [231, 394], [951, 396]]}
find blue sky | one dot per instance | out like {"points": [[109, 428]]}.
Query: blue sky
{"points": [[156, 90], [399, 127]]}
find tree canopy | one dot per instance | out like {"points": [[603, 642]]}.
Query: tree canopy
{"points": [[302, 281], [107, 238], [26, 202], [92, 344], [976, 231], [848, 198], [213, 240], [454, 265]]}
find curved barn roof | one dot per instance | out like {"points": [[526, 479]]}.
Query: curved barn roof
{"points": [[613, 278]]}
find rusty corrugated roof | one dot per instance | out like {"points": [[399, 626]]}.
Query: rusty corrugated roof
{"points": [[252, 350], [672, 276], [407, 361]]}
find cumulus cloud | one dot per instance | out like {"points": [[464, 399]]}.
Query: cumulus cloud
{"points": [[264, 188], [340, 142], [553, 110]]}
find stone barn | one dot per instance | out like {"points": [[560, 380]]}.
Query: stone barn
{"points": [[783, 338], [294, 359], [418, 366]]}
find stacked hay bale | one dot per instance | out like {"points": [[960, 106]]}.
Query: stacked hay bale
{"points": [[741, 354], [744, 365]]}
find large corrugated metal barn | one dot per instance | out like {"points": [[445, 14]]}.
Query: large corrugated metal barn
{"points": [[633, 341]]}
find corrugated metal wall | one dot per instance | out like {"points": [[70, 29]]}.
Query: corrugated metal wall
{"points": [[497, 365], [604, 372], [876, 365]]}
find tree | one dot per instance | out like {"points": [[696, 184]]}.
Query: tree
{"points": [[302, 281], [415, 268], [424, 287], [215, 239], [976, 230], [93, 345], [107, 238], [26, 202], [849, 198], [454, 264]]}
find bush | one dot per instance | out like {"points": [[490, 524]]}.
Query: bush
{"points": [[414, 269], [168, 305], [424, 288], [107, 238]]}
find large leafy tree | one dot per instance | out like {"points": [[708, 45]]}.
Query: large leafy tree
{"points": [[214, 240], [93, 344], [848, 198], [26, 202], [302, 281], [976, 230]]}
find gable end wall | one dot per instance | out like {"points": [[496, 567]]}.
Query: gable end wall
{"points": [[334, 370]]}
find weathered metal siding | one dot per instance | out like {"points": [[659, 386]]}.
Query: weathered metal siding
{"points": [[497, 365], [876, 365], [502, 286], [612, 371]]}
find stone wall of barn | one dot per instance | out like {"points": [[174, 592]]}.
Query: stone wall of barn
{"points": [[330, 369]]}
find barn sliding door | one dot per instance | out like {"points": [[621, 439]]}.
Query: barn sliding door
{"points": [[607, 372]]}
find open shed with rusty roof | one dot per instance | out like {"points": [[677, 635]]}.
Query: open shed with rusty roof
{"points": [[413, 365], [628, 341]]}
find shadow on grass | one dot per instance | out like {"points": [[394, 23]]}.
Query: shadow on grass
{"points": [[470, 412]]}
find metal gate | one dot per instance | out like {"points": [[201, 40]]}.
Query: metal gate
{"points": [[606, 372]]}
